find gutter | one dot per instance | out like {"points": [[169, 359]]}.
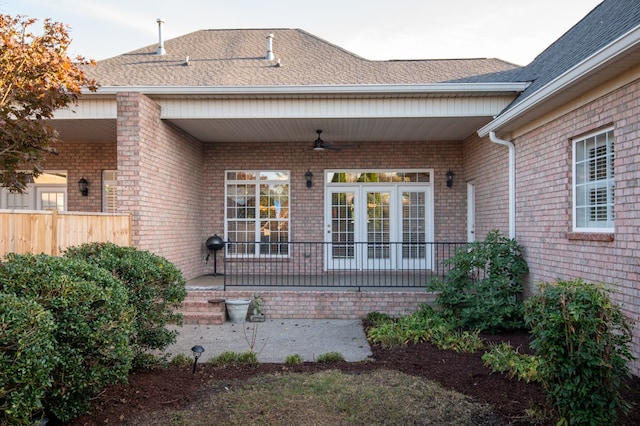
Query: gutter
{"points": [[347, 89], [512, 181]]}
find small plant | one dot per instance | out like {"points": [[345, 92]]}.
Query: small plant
{"points": [[582, 339], [235, 358], [483, 289], [330, 357], [181, 360], [378, 318], [504, 358], [293, 360]]}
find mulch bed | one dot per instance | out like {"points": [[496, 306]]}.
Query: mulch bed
{"points": [[149, 391]]}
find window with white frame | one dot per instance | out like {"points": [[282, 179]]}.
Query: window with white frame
{"points": [[257, 212], [593, 182], [45, 192], [109, 191]]}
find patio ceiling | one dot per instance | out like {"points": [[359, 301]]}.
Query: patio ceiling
{"points": [[292, 129], [348, 119]]}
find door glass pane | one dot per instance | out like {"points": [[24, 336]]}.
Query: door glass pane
{"points": [[413, 225], [342, 225], [52, 200], [378, 226]]}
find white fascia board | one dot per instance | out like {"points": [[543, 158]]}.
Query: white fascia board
{"points": [[581, 70], [360, 89]]}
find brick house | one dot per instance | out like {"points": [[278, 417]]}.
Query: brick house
{"points": [[213, 133]]}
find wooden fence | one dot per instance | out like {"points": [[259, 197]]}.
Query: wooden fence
{"points": [[51, 232]]}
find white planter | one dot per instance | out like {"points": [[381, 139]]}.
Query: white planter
{"points": [[237, 309]]}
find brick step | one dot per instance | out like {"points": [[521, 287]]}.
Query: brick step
{"points": [[202, 306], [202, 310], [204, 318]]}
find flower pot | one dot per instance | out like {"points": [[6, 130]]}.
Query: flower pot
{"points": [[237, 309]]}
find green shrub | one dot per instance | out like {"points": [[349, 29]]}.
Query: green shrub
{"points": [[293, 359], [330, 357], [425, 325], [27, 357], [93, 324], [504, 358], [483, 288], [156, 289], [378, 318], [582, 340], [235, 358], [181, 360]]}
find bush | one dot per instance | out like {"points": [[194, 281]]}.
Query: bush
{"points": [[483, 289], [27, 357], [235, 358], [425, 325], [156, 290], [295, 359], [582, 340], [93, 323], [330, 357], [505, 359]]}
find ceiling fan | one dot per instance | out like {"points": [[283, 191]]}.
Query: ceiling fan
{"points": [[320, 145]]}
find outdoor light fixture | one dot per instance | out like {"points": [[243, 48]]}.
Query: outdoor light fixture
{"points": [[197, 351], [309, 177], [449, 179], [83, 185]]}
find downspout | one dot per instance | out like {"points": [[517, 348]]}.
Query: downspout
{"points": [[512, 181]]}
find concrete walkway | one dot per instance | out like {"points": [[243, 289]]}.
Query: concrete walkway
{"points": [[276, 339]]}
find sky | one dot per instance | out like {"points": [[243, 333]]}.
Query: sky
{"points": [[512, 30]]}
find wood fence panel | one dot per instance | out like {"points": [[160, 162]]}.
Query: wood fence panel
{"points": [[51, 232]]}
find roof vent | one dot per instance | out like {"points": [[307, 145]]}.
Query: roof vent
{"points": [[270, 56], [161, 50]]}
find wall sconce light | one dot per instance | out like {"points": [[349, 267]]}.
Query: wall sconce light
{"points": [[83, 186], [449, 179], [197, 351], [309, 177]]}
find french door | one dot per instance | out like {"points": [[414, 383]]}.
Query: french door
{"points": [[378, 227]]}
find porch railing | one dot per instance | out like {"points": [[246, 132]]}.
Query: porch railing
{"points": [[351, 265]]}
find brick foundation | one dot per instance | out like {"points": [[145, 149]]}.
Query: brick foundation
{"points": [[309, 304]]}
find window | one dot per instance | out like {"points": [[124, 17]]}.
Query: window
{"points": [[47, 191], [593, 183], [257, 212], [109, 191]]}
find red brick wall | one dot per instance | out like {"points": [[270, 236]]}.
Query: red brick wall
{"points": [[544, 200], [159, 180], [323, 304], [307, 205], [83, 159], [487, 166]]}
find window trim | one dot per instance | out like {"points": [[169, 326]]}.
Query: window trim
{"points": [[576, 229]]}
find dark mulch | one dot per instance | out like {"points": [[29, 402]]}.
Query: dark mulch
{"points": [[174, 387]]}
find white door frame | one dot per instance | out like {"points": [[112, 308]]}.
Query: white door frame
{"points": [[471, 211], [356, 256]]}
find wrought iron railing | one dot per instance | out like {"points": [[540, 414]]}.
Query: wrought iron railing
{"points": [[350, 265]]}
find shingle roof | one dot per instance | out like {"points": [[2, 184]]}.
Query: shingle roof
{"points": [[236, 58], [604, 24]]}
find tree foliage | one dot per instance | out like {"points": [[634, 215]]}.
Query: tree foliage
{"points": [[37, 77]]}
